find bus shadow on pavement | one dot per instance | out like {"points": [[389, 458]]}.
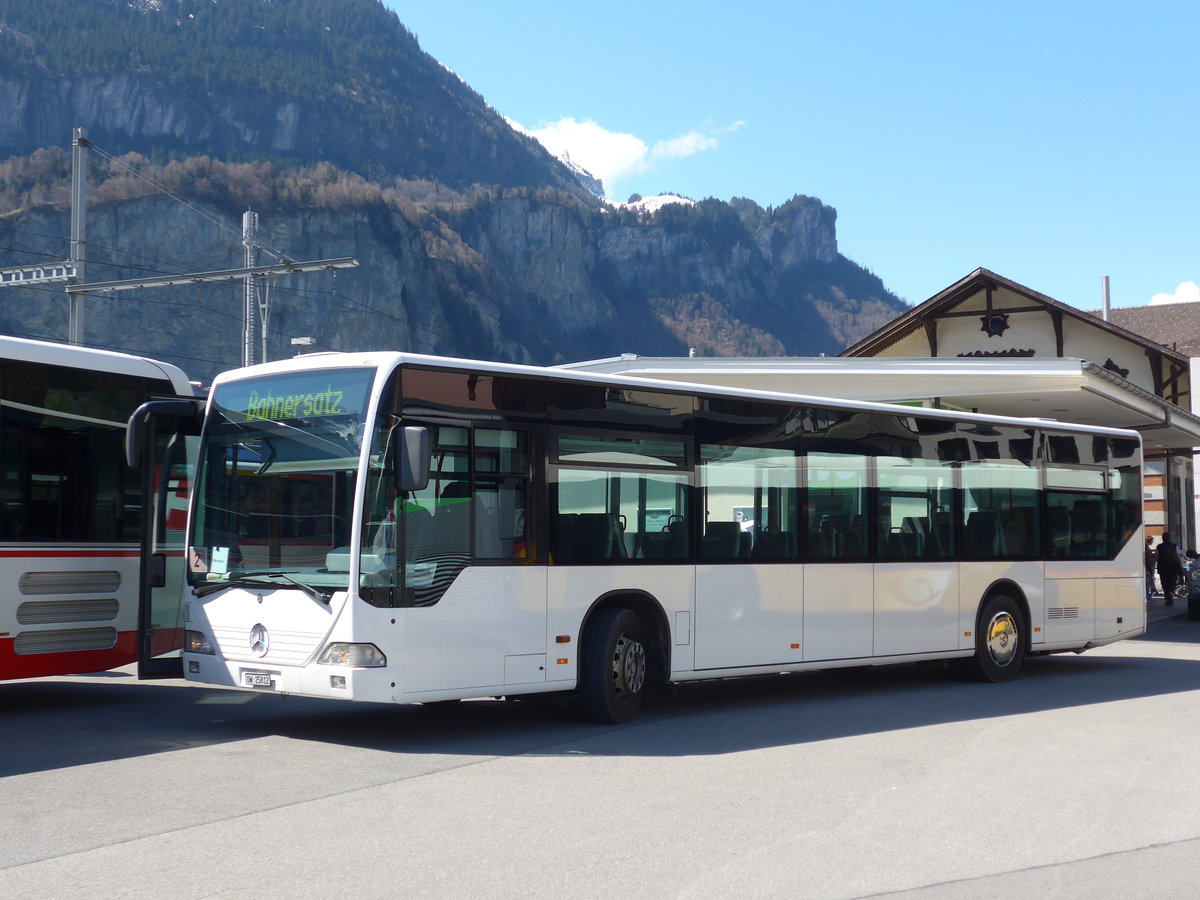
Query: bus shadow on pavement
{"points": [[1175, 630], [59, 723], [742, 714]]}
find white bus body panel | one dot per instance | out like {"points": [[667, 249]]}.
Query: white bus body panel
{"points": [[917, 608], [749, 615], [1089, 602], [487, 630], [1120, 608], [839, 611]]}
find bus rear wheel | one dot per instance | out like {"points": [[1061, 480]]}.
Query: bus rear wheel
{"points": [[612, 666], [999, 641]]}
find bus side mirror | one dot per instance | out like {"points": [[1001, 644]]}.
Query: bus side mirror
{"points": [[181, 408], [412, 458]]}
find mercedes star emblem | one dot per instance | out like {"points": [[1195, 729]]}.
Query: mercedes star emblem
{"points": [[260, 641]]}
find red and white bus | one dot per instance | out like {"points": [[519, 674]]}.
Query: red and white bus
{"points": [[399, 528], [73, 514]]}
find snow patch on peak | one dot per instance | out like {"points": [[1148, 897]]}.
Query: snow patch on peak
{"points": [[559, 151], [586, 178], [654, 204]]}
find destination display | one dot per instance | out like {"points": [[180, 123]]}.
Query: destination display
{"points": [[299, 396]]}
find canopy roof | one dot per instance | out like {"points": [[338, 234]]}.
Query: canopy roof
{"points": [[1065, 389]]}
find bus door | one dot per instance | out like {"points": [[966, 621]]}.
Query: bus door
{"points": [[161, 442]]}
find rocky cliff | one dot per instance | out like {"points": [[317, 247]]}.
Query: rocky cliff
{"points": [[513, 275]]}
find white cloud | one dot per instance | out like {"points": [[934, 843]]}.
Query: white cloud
{"points": [[687, 145], [614, 155], [609, 155], [1188, 292]]}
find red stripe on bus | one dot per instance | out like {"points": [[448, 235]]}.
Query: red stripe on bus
{"points": [[69, 554], [40, 665]]}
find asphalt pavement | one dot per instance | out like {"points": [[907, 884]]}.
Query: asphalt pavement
{"points": [[1076, 780]]}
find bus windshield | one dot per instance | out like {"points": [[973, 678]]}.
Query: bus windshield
{"points": [[278, 460]]}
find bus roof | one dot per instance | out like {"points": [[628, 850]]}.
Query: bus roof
{"points": [[90, 358], [388, 360]]}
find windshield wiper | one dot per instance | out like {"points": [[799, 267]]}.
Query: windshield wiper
{"points": [[267, 458], [253, 579]]}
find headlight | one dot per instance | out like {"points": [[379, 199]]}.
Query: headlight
{"points": [[196, 642], [364, 655]]}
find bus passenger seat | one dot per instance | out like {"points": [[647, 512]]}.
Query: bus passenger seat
{"points": [[1058, 530], [596, 536], [822, 544], [456, 490], [1016, 536], [722, 540], [941, 535], [562, 536], [774, 545], [670, 543], [851, 530], [1088, 528], [982, 535], [903, 545]]}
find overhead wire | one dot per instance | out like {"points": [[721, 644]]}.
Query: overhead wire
{"points": [[209, 310], [316, 296], [54, 256]]}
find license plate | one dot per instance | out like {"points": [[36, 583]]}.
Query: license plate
{"points": [[259, 679]]}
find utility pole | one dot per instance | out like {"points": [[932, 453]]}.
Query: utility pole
{"points": [[70, 271], [79, 145], [249, 301]]}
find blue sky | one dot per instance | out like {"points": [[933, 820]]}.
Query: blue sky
{"points": [[1052, 142]]}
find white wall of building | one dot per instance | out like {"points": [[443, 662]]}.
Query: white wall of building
{"points": [[963, 335]]}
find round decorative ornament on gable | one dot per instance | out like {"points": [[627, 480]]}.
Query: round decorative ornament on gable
{"points": [[994, 324]]}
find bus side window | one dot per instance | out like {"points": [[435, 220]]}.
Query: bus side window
{"points": [[751, 500], [836, 505], [501, 494], [1078, 513], [1000, 510], [910, 493], [602, 515]]}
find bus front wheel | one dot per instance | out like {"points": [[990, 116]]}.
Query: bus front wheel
{"points": [[612, 666], [999, 641]]}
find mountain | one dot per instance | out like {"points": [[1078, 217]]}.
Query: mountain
{"points": [[292, 80], [326, 118]]}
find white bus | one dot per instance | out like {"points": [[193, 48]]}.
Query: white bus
{"points": [[72, 514], [400, 528]]}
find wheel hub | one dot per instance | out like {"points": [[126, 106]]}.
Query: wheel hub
{"points": [[1002, 638], [629, 666]]}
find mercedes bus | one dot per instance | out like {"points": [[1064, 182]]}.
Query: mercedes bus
{"points": [[400, 528]]}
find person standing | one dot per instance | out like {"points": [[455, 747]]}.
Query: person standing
{"points": [[1170, 568], [1150, 561]]}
